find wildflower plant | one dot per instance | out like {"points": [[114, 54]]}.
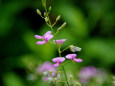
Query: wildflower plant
{"points": [[58, 61]]}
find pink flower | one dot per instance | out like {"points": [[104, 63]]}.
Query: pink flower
{"points": [[73, 57], [46, 37], [59, 42], [58, 61], [47, 66]]}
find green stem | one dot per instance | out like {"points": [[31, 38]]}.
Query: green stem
{"points": [[65, 49], [58, 47], [65, 75], [64, 69]]}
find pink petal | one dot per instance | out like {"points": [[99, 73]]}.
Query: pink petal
{"points": [[38, 37], [55, 60], [61, 59], [47, 33], [60, 41], [40, 42], [78, 60], [56, 65], [48, 37], [58, 59], [71, 56]]}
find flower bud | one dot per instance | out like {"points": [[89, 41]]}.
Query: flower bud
{"points": [[50, 79], [74, 48], [50, 8], [46, 19], [58, 74], [44, 14], [50, 72], [44, 3], [38, 12], [77, 84], [62, 26], [58, 18], [55, 80], [70, 78]]}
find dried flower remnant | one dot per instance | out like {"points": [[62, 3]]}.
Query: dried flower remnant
{"points": [[46, 37], [74, 48], [58, 61], [73, 57]]}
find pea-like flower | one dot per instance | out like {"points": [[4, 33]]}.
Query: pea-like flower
{"points": [[58, 61], [59, 42], [73, 57], [46, 37]]}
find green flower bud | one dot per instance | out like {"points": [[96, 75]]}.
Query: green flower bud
{"points": [[44, 3], [58, 18], [70, 78], [46, 19], [50, 8], [77, 84], [38, 12], [55, 80], [50, 72], [50, 79], [44, 14], [62, 26]]}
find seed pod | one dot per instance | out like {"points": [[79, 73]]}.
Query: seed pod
{"points": [[38, 12]]}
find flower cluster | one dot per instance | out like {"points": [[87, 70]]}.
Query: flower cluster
{"points": [[51, 34], [58, 60]]}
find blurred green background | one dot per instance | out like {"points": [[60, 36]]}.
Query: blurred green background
{"points": [[90, 25]]}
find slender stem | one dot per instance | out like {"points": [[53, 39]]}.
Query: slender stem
{"points": [[64, 69], [66, 62], [58, 47], [65, 49], [65, 75]]}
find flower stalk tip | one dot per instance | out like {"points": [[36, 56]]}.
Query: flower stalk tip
{"points": [[38, 12], [50, 8]]}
